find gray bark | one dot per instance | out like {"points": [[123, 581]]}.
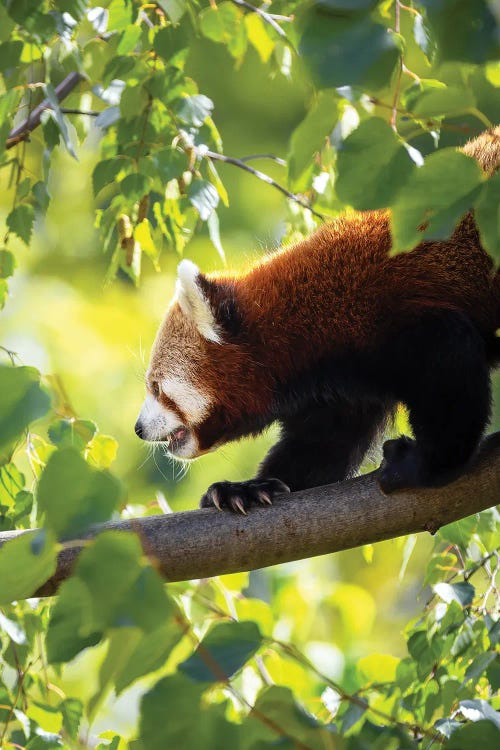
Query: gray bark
{"points": [[204, 543]]}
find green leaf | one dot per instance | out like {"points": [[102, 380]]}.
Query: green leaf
{"points": [[102, 451], [276, 706], [128, 40], [223, 651], [25, 563], [373, 165], [105, 173], [434, 198], [440, 102], [149, 654], [487, 214], [133, 101], [257, 32], [352, 715], [225, 23], [67, 433], [346, 51], [462, 593], [170, 163], [72, 712], [482, 734], [58, 117], [168, 43], [174, 9], [134, 186], [479, 665], [182, 697], [459, 532], [69, 630], [309, 137], [204, 197], [194, 110], [439, 566], [74, 496], [22, 400], [121, 643], [125, 592], [20, 221], [214, 233], [475, 710], [13, 630], [7, 264], [10, 52], [473, 36]]}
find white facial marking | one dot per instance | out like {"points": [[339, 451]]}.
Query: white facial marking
{"points": [[187, 397], [157, 421], [193, 302]]}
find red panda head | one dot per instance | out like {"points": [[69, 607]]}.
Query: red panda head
{"points": [[205, 384]]}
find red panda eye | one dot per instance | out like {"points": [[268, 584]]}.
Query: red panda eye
{"points": [[155, 388]]}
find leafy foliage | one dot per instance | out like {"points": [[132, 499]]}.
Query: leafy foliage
{"points": [[392, 89]]}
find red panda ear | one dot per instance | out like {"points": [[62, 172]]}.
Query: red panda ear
{"points": [[209, 302], [194, 302]]}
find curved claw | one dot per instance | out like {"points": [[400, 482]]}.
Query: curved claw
{"points": [[264, 497], [237, 502], [239, 497]]}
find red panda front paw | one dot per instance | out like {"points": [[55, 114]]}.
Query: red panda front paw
{"points": [[240, 496], [401, 467]]}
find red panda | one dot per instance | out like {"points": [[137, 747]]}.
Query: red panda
{"points": [[326, 338]]}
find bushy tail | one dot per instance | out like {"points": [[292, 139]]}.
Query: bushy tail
{"points": [[485, 149]]}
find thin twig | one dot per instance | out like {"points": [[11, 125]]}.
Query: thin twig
{"points": [[267, 17], [397, 29], [251, 157], [87, 112], [33, 121], [264, 177]]}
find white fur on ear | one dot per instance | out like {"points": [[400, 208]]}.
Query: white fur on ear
{"points": [[193, 302]]}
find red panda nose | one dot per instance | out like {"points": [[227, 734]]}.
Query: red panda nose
{"points": [[138, 429]]}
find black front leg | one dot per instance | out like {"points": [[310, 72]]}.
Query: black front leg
{"points": [[321, 445]]}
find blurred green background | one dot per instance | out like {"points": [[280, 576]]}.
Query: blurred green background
{"points": [[96, 338]]}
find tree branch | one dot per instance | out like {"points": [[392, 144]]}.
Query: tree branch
{"points": [[33, 121], [214, 156], [204, 543]]}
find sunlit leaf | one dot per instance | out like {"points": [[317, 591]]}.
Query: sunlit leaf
{"points": [[75, 496], [204, 197], [66, 433], [461, 592], [434, 198], [26, 563], [373, 165], [224, 650], [225, 23], [22, 400], [309, 137]]}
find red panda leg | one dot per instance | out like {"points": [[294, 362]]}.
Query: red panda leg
{"points": [[319, 445], [443, 367]]}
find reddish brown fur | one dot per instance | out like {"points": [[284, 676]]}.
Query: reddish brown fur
{"points": [[340, 287], [339, 290]]}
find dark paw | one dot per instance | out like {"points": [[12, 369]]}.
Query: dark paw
{"points": [[240, 496], [401, 467]]}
